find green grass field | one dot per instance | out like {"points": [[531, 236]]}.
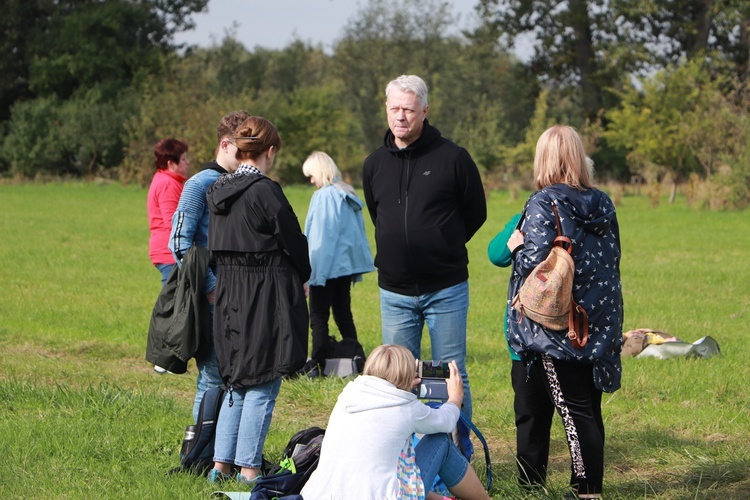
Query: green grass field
{"points": [[82, 415]]}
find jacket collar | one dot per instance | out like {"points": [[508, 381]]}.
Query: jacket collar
{"points": [[429, 135]]}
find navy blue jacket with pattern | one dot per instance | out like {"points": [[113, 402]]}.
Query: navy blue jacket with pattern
{"points": [[588, 218]]}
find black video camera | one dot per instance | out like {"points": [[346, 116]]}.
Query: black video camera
{"points": [[433, 369], [433, 384]]}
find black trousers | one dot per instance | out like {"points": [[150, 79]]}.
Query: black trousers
{"points": [[534, 411], [569, 389], [334, 297]]}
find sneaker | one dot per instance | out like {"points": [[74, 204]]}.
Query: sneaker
{"points": [[243, 480], [216, 476], [159, 369]]}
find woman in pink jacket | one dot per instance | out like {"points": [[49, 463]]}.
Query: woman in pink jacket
{"points": [[172, 164]]}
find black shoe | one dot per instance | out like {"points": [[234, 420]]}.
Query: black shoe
{"points": [[310, 370]]}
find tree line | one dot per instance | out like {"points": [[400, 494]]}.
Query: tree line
{"points": [[657, 88]]}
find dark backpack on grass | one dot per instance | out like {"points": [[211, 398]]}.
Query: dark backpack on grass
{"points": [[298, 462], [197, 453]]}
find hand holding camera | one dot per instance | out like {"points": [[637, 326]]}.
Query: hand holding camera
{"points": [[439, 380], [455, 385]]}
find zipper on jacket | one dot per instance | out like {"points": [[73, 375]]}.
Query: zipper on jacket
{"points": [[409, 172]]}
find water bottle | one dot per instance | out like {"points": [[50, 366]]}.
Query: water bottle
{"points": [[188, 440]]}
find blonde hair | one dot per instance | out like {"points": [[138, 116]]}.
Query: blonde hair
{"points": [[254, 137], [561, 159], [322, 166], [393, 363]]}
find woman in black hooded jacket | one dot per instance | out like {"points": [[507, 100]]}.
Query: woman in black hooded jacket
{"points": [[261, 316], [573, 378]]}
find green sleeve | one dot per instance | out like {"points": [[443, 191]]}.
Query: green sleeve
{"points": [[498, 250]]}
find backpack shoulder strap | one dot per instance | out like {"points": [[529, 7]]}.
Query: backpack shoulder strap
{"points": [[488, 462], [561, 240], [557, 219]]}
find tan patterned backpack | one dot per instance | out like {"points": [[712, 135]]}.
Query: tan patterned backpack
{"points": [[546, 296]]}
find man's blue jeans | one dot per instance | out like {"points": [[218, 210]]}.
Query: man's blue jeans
{"points": [[208, 374], [403, 318], [242, 427], [437, 455]]}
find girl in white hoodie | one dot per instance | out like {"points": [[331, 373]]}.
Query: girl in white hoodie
{"points": [[367, 450]]}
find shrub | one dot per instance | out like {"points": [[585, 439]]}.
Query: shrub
{"points": [[34, 142]]}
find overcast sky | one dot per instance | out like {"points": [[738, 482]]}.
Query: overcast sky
{"points": [[276, 23]]}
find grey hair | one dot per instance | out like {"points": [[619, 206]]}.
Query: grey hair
{"points": [[409, 83]]}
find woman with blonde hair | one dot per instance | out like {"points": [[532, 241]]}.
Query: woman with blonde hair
{"points": [[339, 255], [367, 450], [574, 376], [260, 317]]}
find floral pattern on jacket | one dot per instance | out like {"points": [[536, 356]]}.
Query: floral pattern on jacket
{"points": [[588, 218]]}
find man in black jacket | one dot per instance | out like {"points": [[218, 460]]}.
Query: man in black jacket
{"points": [[426, 200]]}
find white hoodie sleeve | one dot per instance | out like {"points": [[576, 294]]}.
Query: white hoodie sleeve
{"points": [[434, 420]]}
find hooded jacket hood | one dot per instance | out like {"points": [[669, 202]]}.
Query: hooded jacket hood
{"points": [[228, 189], [589, 209], [349, 195], [367, 392], [429, 135], [353, 201]]}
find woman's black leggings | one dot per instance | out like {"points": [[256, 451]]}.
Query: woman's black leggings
{"points": [[569, 389], [334, 296], [579, 403]]}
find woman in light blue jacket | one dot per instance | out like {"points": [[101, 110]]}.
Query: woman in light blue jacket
{"points": [[339, 255]]}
